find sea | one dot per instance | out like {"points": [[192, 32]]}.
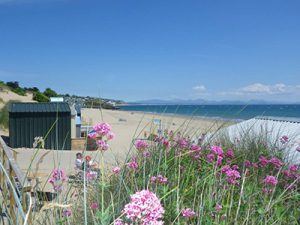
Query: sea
{"points": [[226, 112]]}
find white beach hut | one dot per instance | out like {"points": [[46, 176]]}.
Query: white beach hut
{"points": [[282, 134]]}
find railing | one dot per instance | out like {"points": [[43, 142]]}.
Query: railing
{"points": [[15, 198]]}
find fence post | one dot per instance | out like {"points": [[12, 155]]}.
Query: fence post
{"points": [[12, 202]]}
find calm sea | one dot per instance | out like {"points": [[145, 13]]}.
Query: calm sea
{"points": [[232, 112]]}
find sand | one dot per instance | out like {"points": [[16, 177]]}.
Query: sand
{"points": [[126, 126], [7, 95]]}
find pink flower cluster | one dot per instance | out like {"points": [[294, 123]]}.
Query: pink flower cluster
{"points": [[195, 151], [141, 145], [94, 205], [144, 208], [182, 143], [218, 153], [102, 145], [133, 164], [263, 161], [159, 179], [116, 170], [292, 172], [66, 212], [58, 177], [232, 176], [101, 131], [188, 213], [269, 182]]}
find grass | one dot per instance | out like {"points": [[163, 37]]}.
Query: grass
{"points": [[196, 179], [4, 115]]}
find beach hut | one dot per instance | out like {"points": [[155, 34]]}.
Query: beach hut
{"points": [[52, 121], [280, 133]]}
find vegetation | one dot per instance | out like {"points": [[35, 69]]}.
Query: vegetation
{"points": [[4, 115], [50, 93], [184, 182], [45, 96], [39, 97], [14, 86]]}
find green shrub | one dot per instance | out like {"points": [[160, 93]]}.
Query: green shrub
{"points": [[4, 116], [39, 97], [19, 91], [50, 93]]}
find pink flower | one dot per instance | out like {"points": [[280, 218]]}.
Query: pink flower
{"points": [[153, 179], [275, 162], [229, 153], [182, 143], [232, 176], [110, 136], [188, 213], [271, 180], [286, 173], [247, 163], [225, 168], [133, 165], [161, 179], [57, 179], [210, 157], [102, 145], [102, 128], [165, 142], [284, 139], [219, 160], [195, 148], [217, 150], [146, 154], [293, 168], [116, 170], [144, 208], [94, 205], [218, 207], [266, 190], [263, 161], [66, 212], [91, 175], [235, 167], [141, 145], [118, 222]]}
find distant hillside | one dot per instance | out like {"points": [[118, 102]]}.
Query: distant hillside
{"points": [[7, 95], [203, 102], [12, 91]]}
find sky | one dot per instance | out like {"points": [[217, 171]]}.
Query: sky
{"points": [[154, 49]]}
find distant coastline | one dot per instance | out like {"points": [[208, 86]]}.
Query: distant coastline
{"points": [[221, 112]]}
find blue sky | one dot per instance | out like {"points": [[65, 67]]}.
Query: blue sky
{"points": [[139, 49]]}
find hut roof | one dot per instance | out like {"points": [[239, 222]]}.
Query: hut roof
{"points": [[39, 107]]}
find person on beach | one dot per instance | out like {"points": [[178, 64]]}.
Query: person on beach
{"points": [[78, 161]]}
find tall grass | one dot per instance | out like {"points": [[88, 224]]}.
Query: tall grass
{"points": [[219, 181]]}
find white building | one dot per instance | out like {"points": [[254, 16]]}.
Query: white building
{"points": [[280, 133]]}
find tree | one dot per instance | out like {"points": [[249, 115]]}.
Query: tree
{"points": [[13, 84], [40, 97], [50, 93]]}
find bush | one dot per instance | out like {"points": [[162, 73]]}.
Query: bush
{"points": [[13, 84], [4, 115], [50, 93], [39, 97], [19, 91]]}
